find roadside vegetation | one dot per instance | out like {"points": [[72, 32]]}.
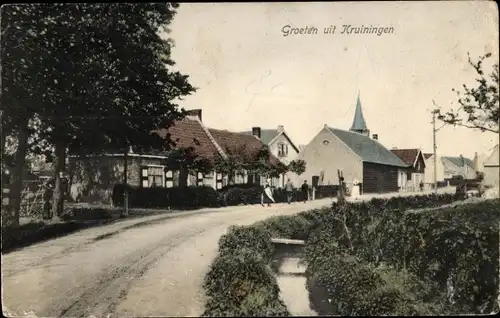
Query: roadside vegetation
{"points": [[419, 255]]}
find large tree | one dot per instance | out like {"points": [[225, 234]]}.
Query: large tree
{"points": [[479, 105], [102, 79]]}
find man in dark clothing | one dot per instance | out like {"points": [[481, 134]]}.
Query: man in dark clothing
{"points": [[289, 191], [305, 190]]}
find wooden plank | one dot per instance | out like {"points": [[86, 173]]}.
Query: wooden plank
{"points": [[287, 241]]}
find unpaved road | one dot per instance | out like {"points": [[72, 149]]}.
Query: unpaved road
{"points": [[151, 266], [125, 269]]}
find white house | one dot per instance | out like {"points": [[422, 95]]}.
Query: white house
{"points": [[280, 145], [491, 168], [448, 167]]}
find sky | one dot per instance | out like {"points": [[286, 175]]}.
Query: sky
{"points": [[249, 74]]}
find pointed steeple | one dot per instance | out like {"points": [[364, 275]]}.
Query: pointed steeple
{"points": [[359, 124]]}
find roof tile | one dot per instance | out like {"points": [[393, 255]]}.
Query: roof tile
{"points": [[407, 155], [188, 133], [233, 142], [368, 149]]}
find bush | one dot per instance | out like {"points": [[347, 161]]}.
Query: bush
{"points": [[241, 281], [83, 214], [289, 226], [453, 245], [178, 197], [241, 194], [326, 191], [14, 237]]}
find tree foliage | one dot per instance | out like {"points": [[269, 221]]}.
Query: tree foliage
{"points": [[96, 76], [297, 166], [479, 106]]}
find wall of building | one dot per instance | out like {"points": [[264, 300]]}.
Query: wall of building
{"points": [[491, 168], [429, 170], [417, 174], [290, 156], [491, 175], [94, 178], [327, 159], [379, 178]]}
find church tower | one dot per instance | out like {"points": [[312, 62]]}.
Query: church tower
{"points": [[359, 124]]}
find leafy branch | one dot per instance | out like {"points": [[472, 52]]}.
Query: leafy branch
{"points": [[479, 106]]}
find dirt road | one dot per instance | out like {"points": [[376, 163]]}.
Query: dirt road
{"points": [[135, 268]]}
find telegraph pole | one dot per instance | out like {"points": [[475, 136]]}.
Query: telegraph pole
{"points": [[434, 130]]}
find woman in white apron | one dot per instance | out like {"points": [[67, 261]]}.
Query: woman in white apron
{"points": [[267, 194], [355, 189]]}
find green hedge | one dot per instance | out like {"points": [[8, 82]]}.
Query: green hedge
{"points": [[240, 281], [74, 219], [180, 198], [14, 237], [240, 194], [460, 242]]}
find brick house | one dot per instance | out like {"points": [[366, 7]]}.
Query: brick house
{"points": [[359, 157], [98, 174], [416, 171]]}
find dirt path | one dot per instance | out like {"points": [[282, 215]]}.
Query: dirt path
{"points": [[152, 269]]}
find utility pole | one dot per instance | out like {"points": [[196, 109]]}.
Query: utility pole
{"points": [[434, 130], [125, 177]]}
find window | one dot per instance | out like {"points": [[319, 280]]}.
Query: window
{"points": [[219, 180], [282, 149], [151, 176], [199, 179], [169, 179]]}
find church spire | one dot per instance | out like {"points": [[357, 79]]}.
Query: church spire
{"points": [[359, 124]]}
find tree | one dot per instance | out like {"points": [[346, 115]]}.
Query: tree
{"points": [[20, 90], [101, 79], [260, 162], [297, 166], [479, 106]]}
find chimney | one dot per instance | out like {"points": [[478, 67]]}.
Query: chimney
{"points": [[194, 113], [256, 132], [375, 136], [281, 128]]}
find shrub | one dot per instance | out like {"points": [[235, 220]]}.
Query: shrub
{"points": [[83, 214], [326, 191], [241, 194], [244, 284], [241, 281], [20, 236], [452, 245], [178, 197], [289, 226]]}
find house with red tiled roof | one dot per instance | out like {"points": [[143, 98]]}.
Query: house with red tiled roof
{"points": [[245, 147], [415, 174], [100, 174]]}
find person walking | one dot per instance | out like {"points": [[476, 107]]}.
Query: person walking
{"points": [[305, 190], [289, 191], [267, 195]]}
